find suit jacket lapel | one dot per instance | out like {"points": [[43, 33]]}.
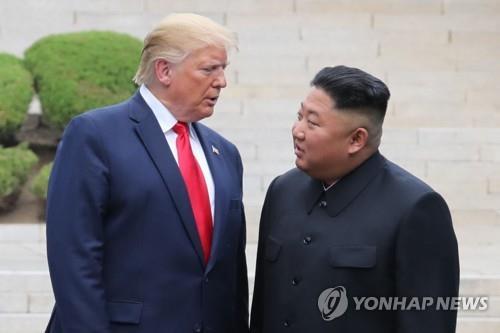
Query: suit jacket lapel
{"points": [[151, 135], [216, 163]]}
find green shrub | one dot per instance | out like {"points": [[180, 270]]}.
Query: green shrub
{"points": [[41, 182], [15, 166], [76, 72], [16, 93]]}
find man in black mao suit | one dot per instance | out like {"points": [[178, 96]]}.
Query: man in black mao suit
{"points": [[347, 224]]}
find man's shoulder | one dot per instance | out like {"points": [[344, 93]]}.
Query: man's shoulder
{"points": [[292, 175], [291, 179], [107, 113], [215, 137], [105, 120], [406, 184]]}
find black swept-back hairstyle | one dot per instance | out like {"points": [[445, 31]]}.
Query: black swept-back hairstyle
{"points": [[353, 90]]}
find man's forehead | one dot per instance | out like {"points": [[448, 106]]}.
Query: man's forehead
{"points": [[210, 53], [317, 100]]}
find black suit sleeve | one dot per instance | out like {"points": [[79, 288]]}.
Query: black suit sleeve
{"points": [[427, 265], [77, 199], [257, 303]]}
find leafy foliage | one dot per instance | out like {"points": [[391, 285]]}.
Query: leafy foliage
{"points": [[16, 93], [15, 165], [76, 72], [41, 181]]}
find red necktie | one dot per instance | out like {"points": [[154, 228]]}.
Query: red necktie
{"points": [[196, 187]]}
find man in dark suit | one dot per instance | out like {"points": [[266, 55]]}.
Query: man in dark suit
{"points": [[145, 222], [347, 223]]}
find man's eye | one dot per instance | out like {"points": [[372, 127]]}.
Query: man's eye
{"points": [[312, 123]]}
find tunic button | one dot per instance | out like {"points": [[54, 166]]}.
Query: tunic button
{"points": [[307, 240], [323, 204], [286, 323], [295, 281]]}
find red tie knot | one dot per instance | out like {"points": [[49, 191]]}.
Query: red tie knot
{"points": [[181, 128]]}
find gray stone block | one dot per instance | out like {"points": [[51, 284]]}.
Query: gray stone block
{"points": [[385, 6], [226, 106], [490, 153], [431, 152], [135, 24], [473, 218], [40, 302], [480, 285], [245, 6], [23, 323], [110, 6], [481, 7], [459, 135], [494, 186], [447, 170], [289, 90], [399, 136], [279, 110], [437, 22], [24, 281], [13, 302], [474, 325]]}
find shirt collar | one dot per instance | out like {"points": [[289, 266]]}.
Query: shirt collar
{"points": [[165, 118]]}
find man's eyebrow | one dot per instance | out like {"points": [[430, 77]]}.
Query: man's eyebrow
{"points": [[213, 64], [308, 110], [216, 63]]}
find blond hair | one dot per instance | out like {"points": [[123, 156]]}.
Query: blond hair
{"points": [[176, 36]]}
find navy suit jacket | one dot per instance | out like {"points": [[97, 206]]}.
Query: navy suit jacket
{"points": [[378, 232], [123, 249]]}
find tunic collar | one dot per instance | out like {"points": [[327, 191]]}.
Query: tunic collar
{"points": [[346, 189]]}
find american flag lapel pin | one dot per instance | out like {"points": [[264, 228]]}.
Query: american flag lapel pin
{"points": [[215, 150]]}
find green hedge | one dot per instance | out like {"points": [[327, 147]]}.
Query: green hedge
{"points": [[15, 166], [76, 72], [16, 93], [41, 181]]}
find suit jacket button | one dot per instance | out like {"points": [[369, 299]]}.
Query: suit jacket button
{"points": [[295, 281], [307, 240], [197, 328], [323, 204], [286, 323]]}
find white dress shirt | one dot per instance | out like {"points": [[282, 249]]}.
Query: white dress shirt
{"points": [[167, 122]]}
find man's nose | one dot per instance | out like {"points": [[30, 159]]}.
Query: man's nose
{"points": [[220, 80], [297, 131]]}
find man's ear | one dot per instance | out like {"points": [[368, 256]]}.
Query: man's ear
{"points": [[163, 71], [358, 140]]}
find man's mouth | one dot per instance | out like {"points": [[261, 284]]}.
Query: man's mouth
{"points": [[297, 150], [212, 100]]}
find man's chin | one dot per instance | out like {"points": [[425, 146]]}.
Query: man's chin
{"points": [[299, 163], [209, 111], [204, 113]]}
